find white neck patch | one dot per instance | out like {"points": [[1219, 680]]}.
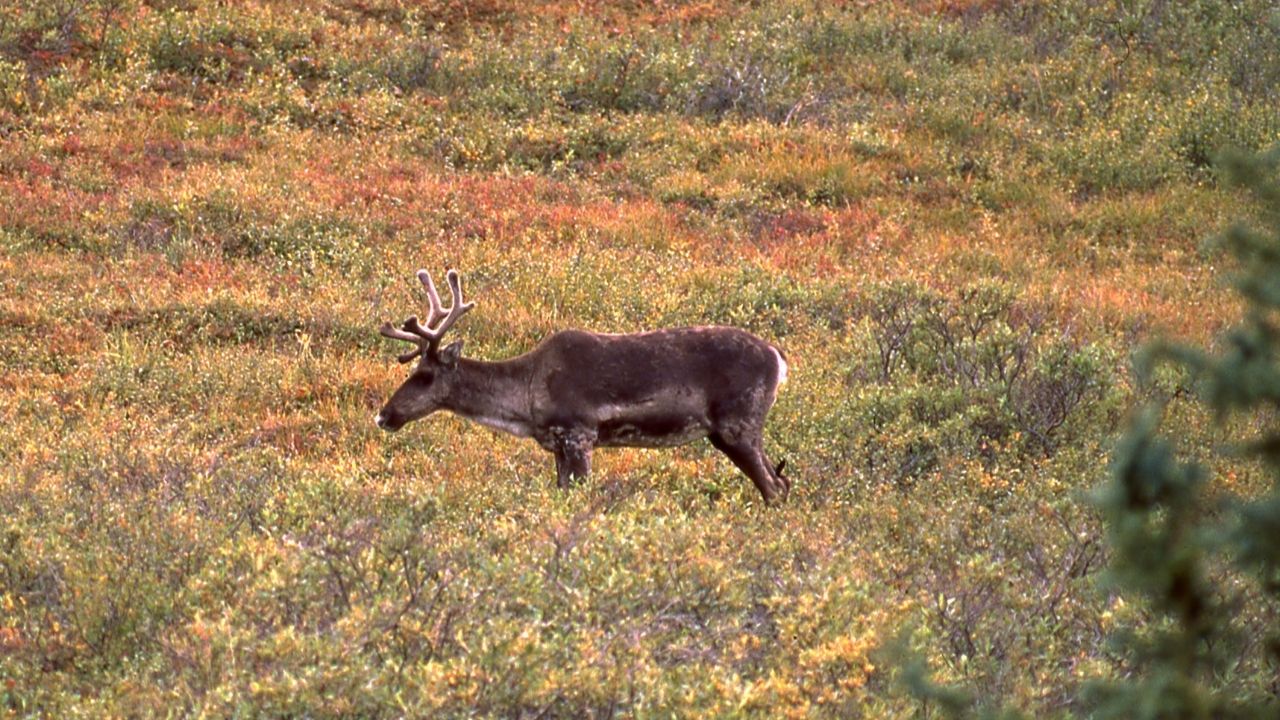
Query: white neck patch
{"points": [[513, 427]]}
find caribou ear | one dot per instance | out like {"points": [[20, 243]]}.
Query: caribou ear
{"points": [[450, 354]]}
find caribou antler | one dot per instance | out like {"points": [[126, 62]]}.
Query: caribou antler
{"points": [[427, 338]]}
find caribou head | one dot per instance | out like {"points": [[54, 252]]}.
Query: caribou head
{"points": [[432, 380]]}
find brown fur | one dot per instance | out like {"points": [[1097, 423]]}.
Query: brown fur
{"points": [[580, 390]]}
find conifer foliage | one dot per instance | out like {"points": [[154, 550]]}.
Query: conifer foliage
{"points": [[1164, 530]]}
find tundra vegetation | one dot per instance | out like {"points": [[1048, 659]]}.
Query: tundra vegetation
{"points": [[959, 219]]}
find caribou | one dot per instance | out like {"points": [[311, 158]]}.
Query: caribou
{"points": [[580, 390]]}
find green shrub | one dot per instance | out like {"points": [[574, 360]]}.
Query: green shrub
{"points": [[1197, 562], [222, 45], [971, 375], [219, 221], [1191, 660]]}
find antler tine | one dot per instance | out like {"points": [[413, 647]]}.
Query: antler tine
{"points": [[437, 310], [456, 310], [425, 336], [389, 330]]}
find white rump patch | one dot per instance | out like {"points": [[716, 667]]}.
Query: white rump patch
{"points": [[782, 367]]}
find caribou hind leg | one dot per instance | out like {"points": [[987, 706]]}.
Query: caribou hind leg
{"points": [[748, 454]]}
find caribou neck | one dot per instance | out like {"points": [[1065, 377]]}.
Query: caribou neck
{"points": [[495, 394]]}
